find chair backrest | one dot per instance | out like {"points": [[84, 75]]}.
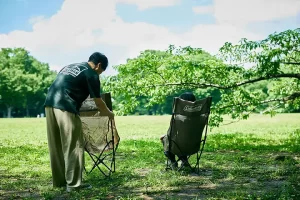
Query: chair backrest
{"points": [[99, 131], [89, 108], [187, 124]]}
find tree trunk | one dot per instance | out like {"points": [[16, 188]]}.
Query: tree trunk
{"points": [[9, 109]]}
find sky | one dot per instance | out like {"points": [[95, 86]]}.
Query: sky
{"points": [[61, 32]]}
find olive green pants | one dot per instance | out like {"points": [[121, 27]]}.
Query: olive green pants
{"points": [[66, 147]]}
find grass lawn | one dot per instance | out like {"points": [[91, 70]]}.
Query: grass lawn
{"points": [[254, 159]]}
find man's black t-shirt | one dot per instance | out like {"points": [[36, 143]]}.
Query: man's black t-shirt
{"points": [[73, 84]]}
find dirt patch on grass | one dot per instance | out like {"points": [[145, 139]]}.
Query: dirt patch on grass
{"points": [[10, 194], [143, 171]]}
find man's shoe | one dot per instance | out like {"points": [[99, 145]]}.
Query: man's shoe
{"points": [[82, 186]]}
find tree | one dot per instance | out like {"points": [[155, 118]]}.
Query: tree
{"points": [[275, 60], [23, 80], [159, 107]]}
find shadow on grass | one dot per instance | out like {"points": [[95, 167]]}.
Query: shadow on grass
{"points": [[250, 142], [232, 167], [226, 173], [22, 172], [19, 187]]}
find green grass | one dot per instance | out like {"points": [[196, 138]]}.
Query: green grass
{"points": [[254, 159]]}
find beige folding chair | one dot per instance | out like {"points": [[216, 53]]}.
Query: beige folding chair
{"points": [[101, 136]]}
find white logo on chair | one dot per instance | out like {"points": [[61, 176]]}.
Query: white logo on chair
{"points": [[192, 108]]}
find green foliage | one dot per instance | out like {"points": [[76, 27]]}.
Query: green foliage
{"points": [[23, 79], [146, 75], [270, 85], [276, 59]]}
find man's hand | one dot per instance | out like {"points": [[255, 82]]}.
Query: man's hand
{"points": [[111, 115], [104, 111]]}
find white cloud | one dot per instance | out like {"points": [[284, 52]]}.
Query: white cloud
{"points": [[241, 12], [141, 36], [133, 34], [55, 67], [78, 29], [70, 30], [72, 27], [203, 9], [146, 4], [212, 37], [36, 19]]}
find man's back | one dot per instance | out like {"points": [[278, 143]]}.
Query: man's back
{"points": [[73, 84]]}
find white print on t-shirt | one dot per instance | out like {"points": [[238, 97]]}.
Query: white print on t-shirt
{"points": [[73, 70]]}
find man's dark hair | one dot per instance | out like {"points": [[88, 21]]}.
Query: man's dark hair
{"points": [[188, 96], [97, 58]]}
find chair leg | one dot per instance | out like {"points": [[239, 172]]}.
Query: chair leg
{"points": [[97, 160], [197, 167]]}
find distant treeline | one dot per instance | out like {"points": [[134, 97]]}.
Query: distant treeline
{"points": [[24, 82]]}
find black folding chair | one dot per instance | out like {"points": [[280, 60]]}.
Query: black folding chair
{"points": [[185, 136], [101, 136]]}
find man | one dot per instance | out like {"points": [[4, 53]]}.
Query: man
{"points": [[73, 84]]}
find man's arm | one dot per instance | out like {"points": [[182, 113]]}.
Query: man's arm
{"points": [[104, 111]]}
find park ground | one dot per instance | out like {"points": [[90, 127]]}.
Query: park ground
{"points": [[258, 158]]}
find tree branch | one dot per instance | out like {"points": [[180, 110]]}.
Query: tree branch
{"points": [[196, 85], [293, 96], [271, 76], [206, 85], [291, 63]]}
